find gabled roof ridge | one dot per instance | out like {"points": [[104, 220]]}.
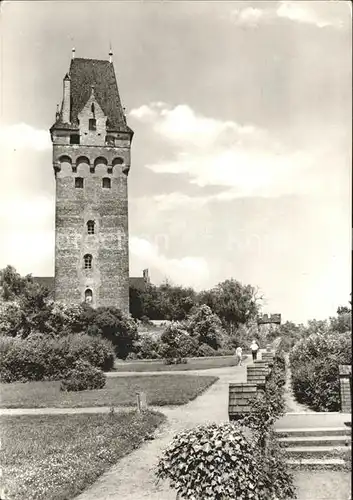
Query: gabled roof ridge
{"points": [[90, 59]]}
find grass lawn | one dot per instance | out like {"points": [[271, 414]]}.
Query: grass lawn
{"points": [[56, 457], [192, 364], [119, 391]]}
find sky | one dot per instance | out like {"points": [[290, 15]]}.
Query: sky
{"points": [[242, 153]]}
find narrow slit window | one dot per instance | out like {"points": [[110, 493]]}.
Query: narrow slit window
{"points": [[106, 183], [88, 261], [90, 227], [78, 182], [92, 124]]}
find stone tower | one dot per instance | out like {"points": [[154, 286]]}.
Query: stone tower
{"points": [[91, 159]]}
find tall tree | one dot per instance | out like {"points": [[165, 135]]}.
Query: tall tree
{"points": [[13, 284], [234, 303]]}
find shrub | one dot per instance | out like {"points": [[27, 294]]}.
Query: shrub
{"points": [[224, 352], [216, 462], [111, 324], [172, 340], [40, 357], [147, 348], [97, 351], [205, 327], [187, 346], [205, 351], [175, 361], [83, 376], [132, 356], [315, 369]]}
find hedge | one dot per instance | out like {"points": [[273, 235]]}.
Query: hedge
{"points": [[41, 357], [83, 376], [315, 369]]}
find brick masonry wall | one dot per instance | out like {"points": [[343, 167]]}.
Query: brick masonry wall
{"points": [[345, 388], [239, 397], [107, 207]]}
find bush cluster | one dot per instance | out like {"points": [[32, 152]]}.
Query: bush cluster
{"points": [[315, 369], [83, 376], [216, 462], [41, 357]]}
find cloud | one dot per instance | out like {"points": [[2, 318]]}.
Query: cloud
{"points": [[23, 136], [317, 14], [249, 16], [307, 13], [181, 125], [211, 152], [189, 270]]}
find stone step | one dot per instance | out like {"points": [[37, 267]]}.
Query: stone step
{"points": [[314, 431], [317, 464], [316, 451], [316, 440]]}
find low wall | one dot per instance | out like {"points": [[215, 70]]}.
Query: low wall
{"points": [[345, 372], [256, 376]]}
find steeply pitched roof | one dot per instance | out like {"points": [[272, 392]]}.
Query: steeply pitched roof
{"points": [[85, 73]]}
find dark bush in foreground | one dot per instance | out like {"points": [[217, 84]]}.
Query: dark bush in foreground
{"points": [[215, 462], [315, 369], [83, 377], [40, 357]]}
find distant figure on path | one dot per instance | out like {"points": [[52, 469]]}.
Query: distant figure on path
{"points": [[254, 348], [239, 355]]}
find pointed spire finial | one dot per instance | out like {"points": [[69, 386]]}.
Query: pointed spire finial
{"points": [[73, 53], [110, 53]]}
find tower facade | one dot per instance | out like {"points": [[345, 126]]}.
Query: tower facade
{"points": [[91, 160]]}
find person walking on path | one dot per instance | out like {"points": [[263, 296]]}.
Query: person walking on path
{"points": [[239, 355], [254, 348]]}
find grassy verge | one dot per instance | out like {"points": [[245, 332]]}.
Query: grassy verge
{"points": [[56, 457], [192, 364], [119, 391]]}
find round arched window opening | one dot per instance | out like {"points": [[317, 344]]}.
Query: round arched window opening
{"points": [[88, 296], [88, 261]]}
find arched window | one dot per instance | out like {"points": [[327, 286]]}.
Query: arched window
{"points": [[88, 261], [100, 161], [90, 227], [106, 182], [88, 295], [82, 159], [118, 161], [92, 107], [65, 159]]}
